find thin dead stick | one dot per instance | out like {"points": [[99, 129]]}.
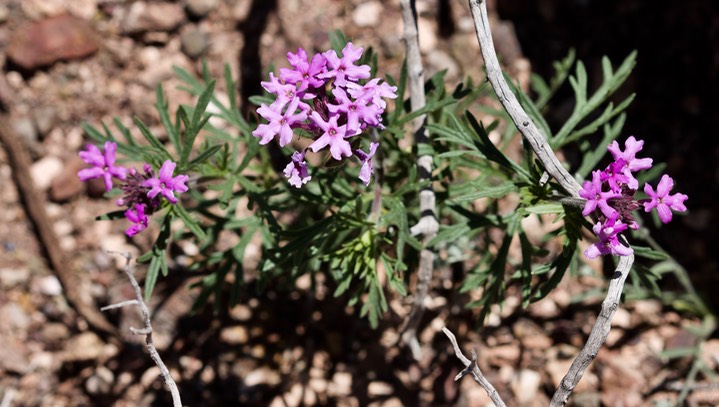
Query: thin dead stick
{"points": [[471, 367], [57, 258], [598, 336], [544, 152], [521, 119], [427, 225], [146, 330]]}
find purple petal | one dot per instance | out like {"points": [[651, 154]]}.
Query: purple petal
{"points": [[168, 167], [90, 173]]}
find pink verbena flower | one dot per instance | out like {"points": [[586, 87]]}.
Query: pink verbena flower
{"points": [[103, 164], [664, 202], [367, 168], [377, 91], [631, 163], [165, 184], [592, 192], [344, 69], [355, 111], [333, 135], [608, 233], [296, 170], [286, 92], [279, 123], [305, 73], [137, 216]]}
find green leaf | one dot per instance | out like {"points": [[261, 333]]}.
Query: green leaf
{"points": [[497, 191], [649, 253], [191, 224], [545, 208], [152, 139], [203, 156]]}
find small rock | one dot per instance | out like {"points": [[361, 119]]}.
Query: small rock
{"points": [[45, 118], [588, 399], [11, 277], [48, 285], [525, 385], [14, 355], [200, 8], [55, 332], [14, 317], [143, 17], [439, 60], [367, 14], [86, 346], [427, 36], [622, 319], [100, 382], [234, 335], [262, 376], [45, 170], [194, 43], [379, 389], [67, 184], [26, 130], [4, 13], [54, 39], [341, 384]]}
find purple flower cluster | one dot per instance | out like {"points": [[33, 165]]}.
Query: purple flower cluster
{"points": [[141, 189], [610, 195], [324, 96]]}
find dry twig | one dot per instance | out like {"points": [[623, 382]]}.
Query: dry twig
{"points": [[427, 225], [146, 330], [521, 119], [470, 366], [57, 259], [544, 152]]}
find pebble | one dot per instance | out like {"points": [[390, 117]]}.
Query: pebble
{"points": [[14, 355], [11, 277], [55, 332], [427, 35], [48, 285], [86, 346], [45, 118], [194, 43], [67, 184], [439, 60], [200, 8], [234, 335], [525, 384], [26, 130], [142, 17], [4, 13], [100, 382], [14, 317], [45, 170], [50, 40], [367, 14]]}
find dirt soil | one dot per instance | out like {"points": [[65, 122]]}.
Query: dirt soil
{"points": [[69, 62]]}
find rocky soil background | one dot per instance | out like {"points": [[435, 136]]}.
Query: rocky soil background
{"points": [[68, 62]]}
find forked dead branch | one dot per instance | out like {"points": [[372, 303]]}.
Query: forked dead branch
{"points": [[544, 152]]}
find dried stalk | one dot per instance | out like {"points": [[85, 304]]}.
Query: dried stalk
{"points": [[146, 330], [544, 152], [521, 119], [470, 366], [597, 337], [427, 225]]}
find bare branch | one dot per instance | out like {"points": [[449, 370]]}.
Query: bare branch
{"points": [[471, 367], [427, 225], [521, 119], [544, 152], [146, 330], [599, 333]]}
